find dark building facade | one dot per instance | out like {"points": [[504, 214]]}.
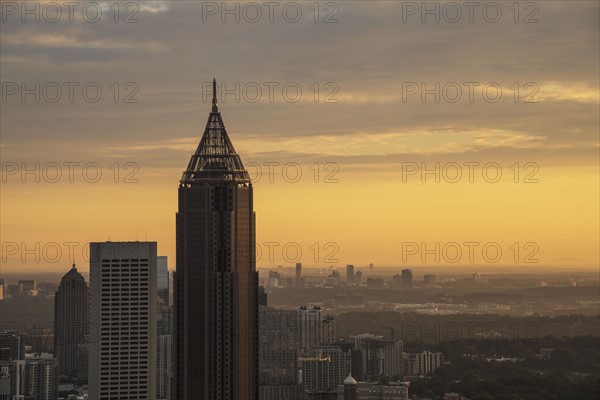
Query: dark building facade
{"points": [[71, 316], [216, 283], [12, 346]]}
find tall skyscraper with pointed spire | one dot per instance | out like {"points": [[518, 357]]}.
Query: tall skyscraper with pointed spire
{"points": [[216, 283], [71, 318]]}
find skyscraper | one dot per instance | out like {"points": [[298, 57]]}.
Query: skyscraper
{"points": [[323, 369], [12, 363], [423, 363], [71, 314], [122, 356], [379, 357], [429, 280], [299, 279], [164, 330], [216, 284], [311, 326], [279, 349], [162, 279], [350, 274], [12, 346], [407, 278], [41, 377]]}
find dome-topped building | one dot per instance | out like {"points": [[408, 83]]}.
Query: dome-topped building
{"points": [[350, 390]]}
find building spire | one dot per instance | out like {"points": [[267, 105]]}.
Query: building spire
{"points": [[215, 158], [215, 107]]}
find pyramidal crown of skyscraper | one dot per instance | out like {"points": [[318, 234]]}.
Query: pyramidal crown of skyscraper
{"points": [[215, 158]]}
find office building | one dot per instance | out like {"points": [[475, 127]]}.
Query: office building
{"points": [[71, 320], [311, 326], [350, 274], [41, 377], [163, 367], [299, 279], [407, 278], [419, 364], [162, 279], [12, 346], [122, 348], [14, 372], [216, 283], [358, 278], [429, 280], [323, 369], [329, 329], [279, 347], [379, 357]]}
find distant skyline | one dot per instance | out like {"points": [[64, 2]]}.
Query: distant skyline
{"points": [[170, 54]]}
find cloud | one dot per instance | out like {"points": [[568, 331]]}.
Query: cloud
{"points": [[369, 54]]}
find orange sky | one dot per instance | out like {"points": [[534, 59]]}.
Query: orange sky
{"points": [[368, 203]]}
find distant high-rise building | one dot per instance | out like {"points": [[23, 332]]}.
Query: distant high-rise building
{"points": [[407, 278], [429, 280], [329, 329], [164, 330], [28, 287], [333, 279], [163, 368], [15, 290], [279, 346], [397, 281], [216, 284], [350, 274], [424, 363], [323, 369], [274, 278], [299, 278], [12, 346], [122, 359], [164, 354], [379, 357], [15, 372], [371, 267], [71, 320], [41, 377], [162, 279], [375, 283], [358, 278], [311, 326]]}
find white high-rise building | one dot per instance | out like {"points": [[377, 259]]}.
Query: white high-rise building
{"points": [[424, 363], [122, 359]]}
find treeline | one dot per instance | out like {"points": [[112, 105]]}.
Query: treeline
{"points": [[478, 379], [431, 329], [23, 314]]}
